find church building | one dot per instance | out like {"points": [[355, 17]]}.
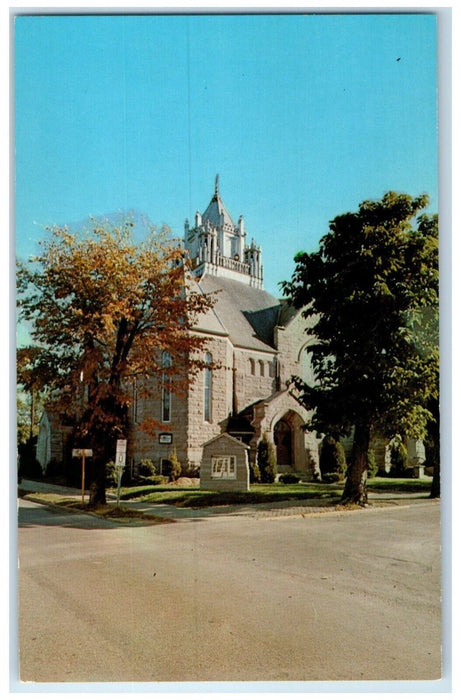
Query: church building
{"points": [[256, 341]]}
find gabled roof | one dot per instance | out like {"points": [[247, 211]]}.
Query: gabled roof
{"points": [[227, 437], [249, 315], [207, 321]]}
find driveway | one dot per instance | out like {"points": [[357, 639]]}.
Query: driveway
{"points": [[339, 596]]}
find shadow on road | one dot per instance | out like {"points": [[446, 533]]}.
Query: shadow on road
{"points": [[37, 515]]}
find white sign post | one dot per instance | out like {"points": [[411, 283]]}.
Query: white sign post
{"points": [[120, 463], [82, 453]]}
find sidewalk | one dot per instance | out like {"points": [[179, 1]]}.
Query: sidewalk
{"points": [[276, 509]]}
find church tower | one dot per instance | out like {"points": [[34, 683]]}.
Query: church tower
{"points": [[218, 247]]}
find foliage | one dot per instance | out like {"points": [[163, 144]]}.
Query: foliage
{"points": [[255, 474], [191, 470], [175, 465], [146, 467], [111, 474], [289, 479], [332, 458], [371, 297], [398, 455], [104, 309], [372, 467], [155, 480], [266, 461]]}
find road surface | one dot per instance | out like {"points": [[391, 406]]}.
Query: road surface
{"points": [[341, 596]]}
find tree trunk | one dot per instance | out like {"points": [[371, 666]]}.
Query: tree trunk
{"points": [[355, 489], [98, 483]]}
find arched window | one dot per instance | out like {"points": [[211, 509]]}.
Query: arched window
{"points": [[270, 368], [251, 364], [166, 388], [261, 368], [208, 386]]}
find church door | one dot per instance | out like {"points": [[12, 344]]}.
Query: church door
{"points": [[283, 442]]}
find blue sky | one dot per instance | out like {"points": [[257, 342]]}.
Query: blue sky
{"points": [[302, 116]]}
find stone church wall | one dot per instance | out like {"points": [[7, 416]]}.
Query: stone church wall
{"points": [[290, 340], [198, 429], [187, 426], [254, 376]]}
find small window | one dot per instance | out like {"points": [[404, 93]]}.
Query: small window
{"points": [[224, 467], [251, 364], [270, 368], [261, 368]]}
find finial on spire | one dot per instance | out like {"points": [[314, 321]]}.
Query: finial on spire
{"points": [[216, 184]]}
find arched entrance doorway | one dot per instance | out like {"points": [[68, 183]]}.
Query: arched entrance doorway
{"points": [[283, 440]]}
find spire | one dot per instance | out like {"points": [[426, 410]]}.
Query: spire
{"points": [[216, 185]]}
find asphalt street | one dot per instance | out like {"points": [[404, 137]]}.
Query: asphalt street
{"points": [[327, 596]]}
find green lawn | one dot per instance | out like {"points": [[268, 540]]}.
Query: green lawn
{"points": [[191, 496]]}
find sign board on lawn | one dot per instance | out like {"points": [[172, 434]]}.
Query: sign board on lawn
{"points": [[82, 453], [120, 456]]}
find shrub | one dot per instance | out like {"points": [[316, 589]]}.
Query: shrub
{"points": [[266, 461], [332, 458], [175, 472], [289, 479], [111, 474], [156, 480], [146, 467], [398, 456], [192, 471], [372, 467], [255, 474]]}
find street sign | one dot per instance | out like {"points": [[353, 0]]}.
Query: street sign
{"points": [[120, 462], [165, 438], [82, 453], [120, 455]]}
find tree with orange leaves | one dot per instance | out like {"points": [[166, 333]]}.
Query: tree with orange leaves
{"points": [[103, 309]]}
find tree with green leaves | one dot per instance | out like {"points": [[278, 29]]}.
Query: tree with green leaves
{"points": [[371, 294], [104, 310]]}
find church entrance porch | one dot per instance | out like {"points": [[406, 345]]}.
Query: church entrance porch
{"points": [[289, 440], [283, 444], [281, 420]]}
